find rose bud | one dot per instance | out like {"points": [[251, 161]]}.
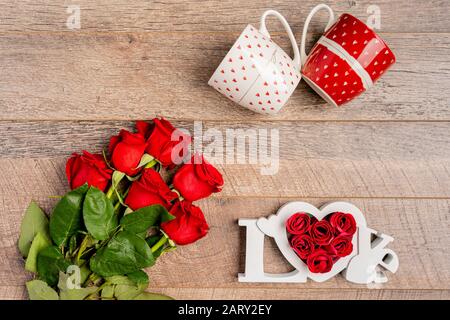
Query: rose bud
{"points": [[189, 224], [298, 223], [127, 149], [148, 190], [198, 179], [342, 246], [161, 146], [303, 245], [88, 168], [319, 261], [343, 223], [321, 232]]}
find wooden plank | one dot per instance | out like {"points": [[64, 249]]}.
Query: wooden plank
{"points": [[127, 76], [420, 229], [302, 178], [376, 159], [296, 294], [19, 292], [212, 15], [338, 141]]}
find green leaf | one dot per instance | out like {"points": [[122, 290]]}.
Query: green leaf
{"points": [[152, 296], [40, 242], [73, 293], [125, 253], [127, 292], [119, 279], [87, 243], [50, 262], [139, 278], [66, 219], [127, 287], [146, 159], [143, 218], [39, 290], [72, 244], [108, 292], [77, 294], [98, 214], [84, 273], [117, 177], [33, 222]]}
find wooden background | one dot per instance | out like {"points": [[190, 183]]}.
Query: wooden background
{"points": [[388, 152]]}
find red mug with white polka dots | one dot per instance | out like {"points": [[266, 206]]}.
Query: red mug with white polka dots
{"points": [[347, 59]]}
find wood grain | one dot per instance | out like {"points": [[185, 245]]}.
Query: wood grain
{"points": [[212, 15], [303, 178], [418, 226], [340, 159], [388, 151], [127, 76], [19, 292]]}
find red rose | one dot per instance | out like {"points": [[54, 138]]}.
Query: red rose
{"points": [[319, 261], [342, 246], [197, 179], [298, 223], [189, 224], [88, 168], [161, 146], [303, 245], [343, 223], [321, 232], [127, 148], [148, 190]]}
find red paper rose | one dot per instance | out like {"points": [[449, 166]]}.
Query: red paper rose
{"points": [[321, 232], [303, 245], [343, 223], [197, 179], [162, 147], [298, 223], [148, 190], [319, 261], [88, 168], [127, 148], [342, 246], [189, 224]]}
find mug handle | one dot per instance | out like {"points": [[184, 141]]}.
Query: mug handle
{"points": [[305, 27], [263, 30]]}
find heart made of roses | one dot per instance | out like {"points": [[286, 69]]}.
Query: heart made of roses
{"points": [[275, 226]]}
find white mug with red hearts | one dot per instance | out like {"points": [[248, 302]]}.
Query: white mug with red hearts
{"points": [[347, 59], [256, 73]]}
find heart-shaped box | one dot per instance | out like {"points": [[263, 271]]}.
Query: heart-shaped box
{"points": [[275, 226]]}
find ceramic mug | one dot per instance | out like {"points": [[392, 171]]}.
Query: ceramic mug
{"points": [[346, 60], [256, 73]]}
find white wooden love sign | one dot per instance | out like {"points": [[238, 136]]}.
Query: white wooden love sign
{"points": [[361, 266]]}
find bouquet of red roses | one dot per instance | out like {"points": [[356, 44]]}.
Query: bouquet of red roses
{"points": [[119, 217], [320, 244]]}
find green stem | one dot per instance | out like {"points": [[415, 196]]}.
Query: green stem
{"points": [[117, 206], [110, 192], [92, 295], [160, 242]]}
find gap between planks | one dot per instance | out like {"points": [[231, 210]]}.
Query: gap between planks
{"points": [[235, 121]]}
